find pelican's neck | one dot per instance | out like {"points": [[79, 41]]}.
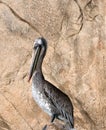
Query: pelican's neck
{"points": [[39, 64], [40, 60]]}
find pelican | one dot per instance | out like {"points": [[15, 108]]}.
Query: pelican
{"points": [[52, 100]]}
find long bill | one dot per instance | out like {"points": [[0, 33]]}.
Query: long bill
{"points": [[35, 58]]}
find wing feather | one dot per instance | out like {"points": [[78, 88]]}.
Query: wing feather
{"points": [[61, 102]]}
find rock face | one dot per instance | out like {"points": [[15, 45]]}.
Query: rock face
{"points": [[75, 60]]}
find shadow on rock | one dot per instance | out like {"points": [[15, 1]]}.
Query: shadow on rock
{"points": [[3, 124]]}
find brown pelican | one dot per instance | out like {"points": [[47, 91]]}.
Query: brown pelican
{"points": [[52, 100]]}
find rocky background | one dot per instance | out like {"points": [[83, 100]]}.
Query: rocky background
{"points": [[75, 60]]}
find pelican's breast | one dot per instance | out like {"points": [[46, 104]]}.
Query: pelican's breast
{"points": [[41, 99]]}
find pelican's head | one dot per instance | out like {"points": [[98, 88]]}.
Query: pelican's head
{"points": [[39, 47]]}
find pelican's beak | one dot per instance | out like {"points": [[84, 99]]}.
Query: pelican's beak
{"points": [[35, 58]]}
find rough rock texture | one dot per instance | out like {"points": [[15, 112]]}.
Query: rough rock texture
{"points": [[75, 60]]}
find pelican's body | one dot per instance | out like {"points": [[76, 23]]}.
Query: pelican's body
{"points": [[47, 96]]}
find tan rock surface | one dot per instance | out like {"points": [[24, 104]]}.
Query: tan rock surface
{"points": [[75, 60]]}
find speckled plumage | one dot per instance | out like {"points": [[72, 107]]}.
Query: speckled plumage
{"points": [[52, 100], [38, 93]]}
